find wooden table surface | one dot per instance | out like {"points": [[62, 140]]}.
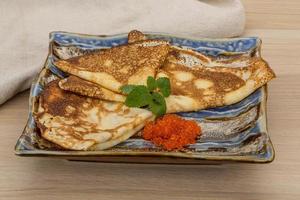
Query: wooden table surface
{"points": [[278, 24]]}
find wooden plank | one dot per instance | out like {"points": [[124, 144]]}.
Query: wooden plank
{"points": [[271, 14]]}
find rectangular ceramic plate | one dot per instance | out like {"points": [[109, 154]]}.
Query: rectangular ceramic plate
{"points": [[232, 133]]}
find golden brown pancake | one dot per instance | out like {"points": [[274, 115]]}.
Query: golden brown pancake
{"points": [[86, 88], [118, 66], [195, 87], [80, 123]]}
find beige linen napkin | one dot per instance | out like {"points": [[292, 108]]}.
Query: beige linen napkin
{"points": [[25, 25]]}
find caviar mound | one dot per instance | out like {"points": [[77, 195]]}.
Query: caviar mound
{"points": [[171, 132]]}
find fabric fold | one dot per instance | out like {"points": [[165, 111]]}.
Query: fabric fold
{"points": [[25, 26]]}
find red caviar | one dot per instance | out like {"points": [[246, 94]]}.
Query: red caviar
{"points": [[172, 132]]}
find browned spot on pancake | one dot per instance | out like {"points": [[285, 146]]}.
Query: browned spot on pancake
{"points": [[58, 102], [221, 81], [83, 87], [173, 55]]}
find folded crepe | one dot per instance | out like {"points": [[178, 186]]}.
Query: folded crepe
{"points": [[80, 123], [90, 89], [118, 66], [197, 82]]}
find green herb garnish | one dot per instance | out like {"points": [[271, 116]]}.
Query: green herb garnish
{"points": [[151, 83], [164, 86], [126, 89], [151, 97]]}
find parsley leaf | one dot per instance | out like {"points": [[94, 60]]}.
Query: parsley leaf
{"points": [[138, 97], [151, 83], [164, 85], [126, 89], [158, 104]]}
